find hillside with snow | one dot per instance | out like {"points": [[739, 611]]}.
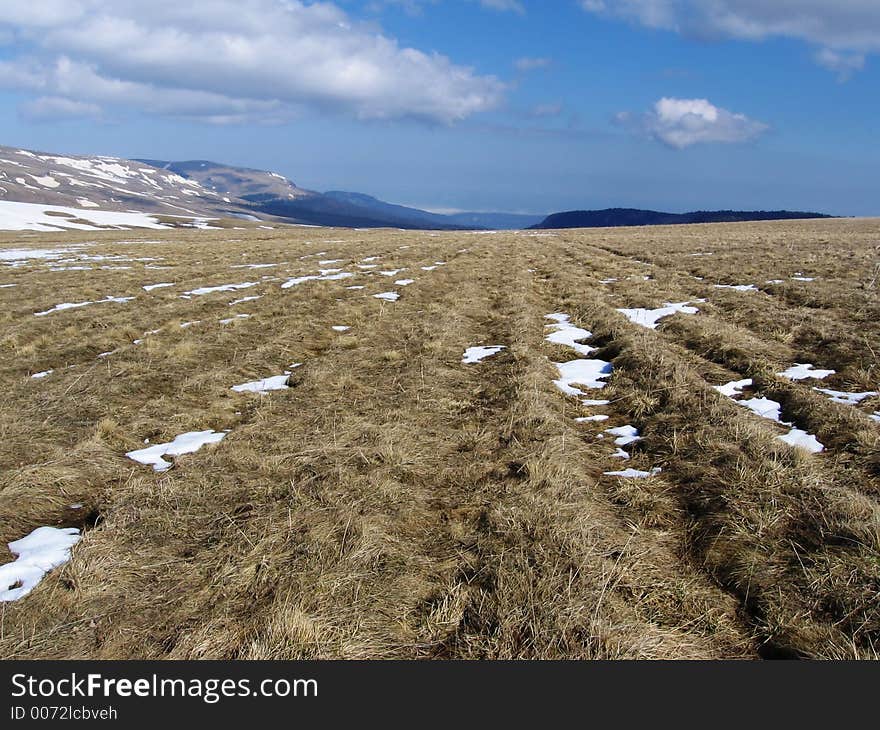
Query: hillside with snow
{"points": [[48, 192]]}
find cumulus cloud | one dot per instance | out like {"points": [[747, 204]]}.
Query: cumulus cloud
{"points": [[680, 123], [232, 59], [851, 26]]}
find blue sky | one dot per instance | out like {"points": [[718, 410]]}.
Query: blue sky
{"points": [[506, 105]]}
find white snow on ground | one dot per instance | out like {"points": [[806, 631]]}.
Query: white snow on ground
{"points": [[803, 371], [477, 354], [330, 262], [85, 203], [565, 333], [588, 402], [850, 399], [650, 317], [230, 320], [388, 296], [245, 299], [634, 473], [44, 374], [392, 272], [356, 287], [16, 216], [586, 373], [738, 287], [185, 443], [17, 255], [802, 440], [734, 387], [47, 182], [184, 325], [76, 305], [428, 268], [625, 435], [376, 258], [340, 327], [7, 286], [803, 278], [401, 282], [875, 416], [150, 287], [772, 410], [253, 266], [325, 275], [587, 419], [39, 552], [225, 287], [368, 266], [764, 407], [276, 382], [775, 281]]}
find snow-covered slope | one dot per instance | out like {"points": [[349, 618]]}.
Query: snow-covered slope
{"points": [[91, 188], [16, 216]]}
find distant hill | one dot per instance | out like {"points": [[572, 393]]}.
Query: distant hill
{"points": [[234, 182], [614, 217], [107, 183], [271, 194]]}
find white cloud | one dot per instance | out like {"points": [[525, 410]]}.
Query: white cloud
{"points": [[843, 64], [680, 123], [221, 59], [529, 63], [53, 108], [837, 25]]}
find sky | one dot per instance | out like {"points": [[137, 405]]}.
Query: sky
{"points": [[481, 105]]}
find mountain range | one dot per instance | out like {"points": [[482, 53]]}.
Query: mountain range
{"points": [[82, 188]]}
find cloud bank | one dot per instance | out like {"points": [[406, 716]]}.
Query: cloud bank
{"points": [[227, 60], [849, 28]]}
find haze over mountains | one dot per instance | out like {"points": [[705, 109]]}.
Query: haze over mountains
{"points": [[199, 189]]}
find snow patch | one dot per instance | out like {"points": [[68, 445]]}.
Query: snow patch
{"points": [[651, 317], [565, 333], [224, 287], [39, 552], [734, 388], [634, 473], [477, 354], [802, 440], [850, 399], [803, 371], [275, 382], [738, 287], [586, 373], [185, 443]]}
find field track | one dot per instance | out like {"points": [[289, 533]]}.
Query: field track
{"points": [[394, 502]]}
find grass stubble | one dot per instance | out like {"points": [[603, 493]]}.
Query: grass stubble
{"points": [[395, 503]]}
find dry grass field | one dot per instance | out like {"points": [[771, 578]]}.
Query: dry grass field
{"points": [[395, 502]]}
